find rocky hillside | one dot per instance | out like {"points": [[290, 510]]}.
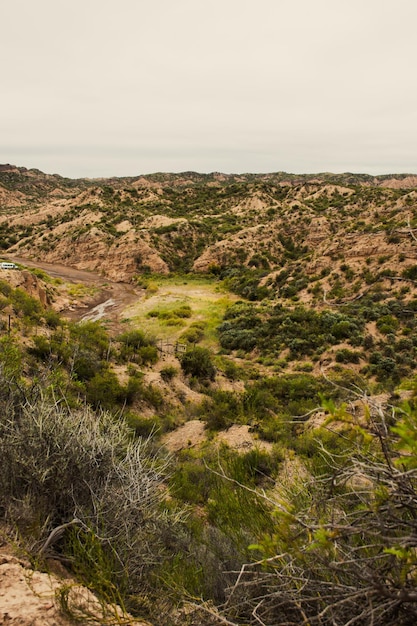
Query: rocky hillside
{"points": [[165, 223]]}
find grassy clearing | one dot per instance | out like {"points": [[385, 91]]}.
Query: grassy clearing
{"points": [[206, 298]]}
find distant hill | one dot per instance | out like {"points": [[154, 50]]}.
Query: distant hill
{"points": [[303, 224]]}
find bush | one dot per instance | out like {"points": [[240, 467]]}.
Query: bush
{"points": [[152, 395], [347, 356], [197, 363], [11, 359], [221, 410], [143, 426], [138, 347], [41, 348], [172, 316], [81, 470], [191, 482], [85, 366], [410, 272], [274, 328], [194, 333], [135, 338], [254, 466], [147, 355], [5, 288], [387, 324], [232, 371], [90, 337], [104, 390], [168, 373], [26, 305], [52, 318]]}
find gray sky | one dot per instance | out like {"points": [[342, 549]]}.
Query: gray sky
{"points": [[128, 87]]}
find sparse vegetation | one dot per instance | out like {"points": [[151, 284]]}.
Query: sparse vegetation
{"points": [[276, 324]]}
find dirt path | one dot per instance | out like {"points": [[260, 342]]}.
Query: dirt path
{"points": [[109, 298], [69, 274]]}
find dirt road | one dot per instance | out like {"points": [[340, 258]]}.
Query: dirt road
{"points": [[109, 298]]}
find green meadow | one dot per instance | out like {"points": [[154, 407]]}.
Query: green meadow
{"points": [[171, 305]]}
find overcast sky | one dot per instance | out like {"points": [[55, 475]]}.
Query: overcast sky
{"points": [[128, 87]]}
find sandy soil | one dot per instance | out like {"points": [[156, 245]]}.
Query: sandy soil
{"points": [[193, 434], [32, 598]]}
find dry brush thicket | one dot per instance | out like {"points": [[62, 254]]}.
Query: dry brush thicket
{"points": [[76, 485]]}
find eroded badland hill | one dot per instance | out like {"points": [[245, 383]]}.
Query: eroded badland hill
{"points": [[201, 223]]}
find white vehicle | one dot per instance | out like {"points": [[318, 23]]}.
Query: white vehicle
{"points": [[8, 266]]}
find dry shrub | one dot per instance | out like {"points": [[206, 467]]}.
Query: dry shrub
{"points": [[76, 479]]}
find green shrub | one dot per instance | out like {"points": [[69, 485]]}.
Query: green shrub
{"points": [[11, 359], [152, 395], [228, 506], [26, 305], [342, 329], [387, 324], [147, 355], [410, 272], [104, 390], [138, 347], [232, 371], [221, 410], [168, 373], [174, 316], [347, 356], [275, 429], [183, 311], [197, 362], [85, 365], [5, 289], [135, 339], [129, 392], [41, 348], [253, 467], [191, 482], [132, 340], [91, 337], [52, 318], [4, 302], [274, 328], [194, 333], [289, 394], [143, 426]]}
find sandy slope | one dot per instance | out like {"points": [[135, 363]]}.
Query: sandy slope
{"points": [[32, 598]]}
